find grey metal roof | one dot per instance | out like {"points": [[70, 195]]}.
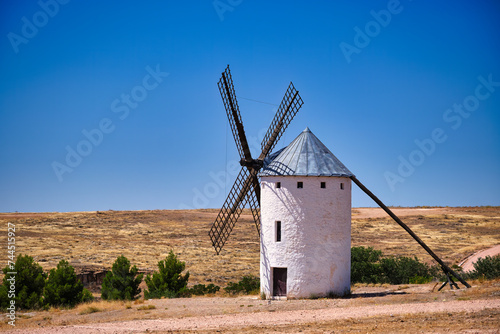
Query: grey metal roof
{"points": [[306, 155]]}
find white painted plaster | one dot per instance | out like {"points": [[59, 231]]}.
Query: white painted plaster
{"points": [[315, 242]]}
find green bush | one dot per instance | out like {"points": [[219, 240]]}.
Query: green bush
{"points": [[87, 296], [4, 297], [364, 265], [168, 281], [370, 266], [29, 284], [488, 267], [63, 288], [202, 289], [249, 285], [399, 270], [122, 283]]}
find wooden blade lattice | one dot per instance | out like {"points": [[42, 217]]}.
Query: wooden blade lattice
{"points": [[253, 198], [228, 95], [246, 189], [287, 110], [236, 200]]}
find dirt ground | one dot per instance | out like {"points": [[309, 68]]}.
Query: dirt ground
{"points": [[95, 239], [373, 309]]}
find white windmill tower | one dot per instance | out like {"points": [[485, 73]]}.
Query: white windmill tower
{"points": [[306, 206], [305, 240]]}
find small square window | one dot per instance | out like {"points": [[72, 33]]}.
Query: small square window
{"points": [[278, 184], [342, 186], [300, 185], [323, 185]]}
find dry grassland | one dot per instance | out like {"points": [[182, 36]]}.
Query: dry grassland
{"points": [[96, 239]]}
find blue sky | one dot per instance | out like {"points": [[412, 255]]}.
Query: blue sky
{"points": [[405, 93]]}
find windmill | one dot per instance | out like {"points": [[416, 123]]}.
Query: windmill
{"points": [[247, 188]]}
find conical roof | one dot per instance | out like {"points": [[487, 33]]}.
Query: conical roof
{"points": [[305, 156]]}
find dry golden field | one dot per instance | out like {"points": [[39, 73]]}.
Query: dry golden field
{"points": [[96, 239]]}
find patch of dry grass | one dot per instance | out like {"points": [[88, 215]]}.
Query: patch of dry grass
{"points": [[99, 306], [89, 310]]}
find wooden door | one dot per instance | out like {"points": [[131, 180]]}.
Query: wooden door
{"points": [[279, 281]]}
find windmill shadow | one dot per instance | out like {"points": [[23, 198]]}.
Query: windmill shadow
{"points": [[374, 294], [278, 168]]}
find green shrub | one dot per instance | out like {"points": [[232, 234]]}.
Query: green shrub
{"points": [[29, 284], [249, 285], [87, 296], [420, 279], [168, 281], [63, 288], [202, 289], [488, 267], [399, 270], [365, 267], [122, 283], [4, 297], [370, 266]]}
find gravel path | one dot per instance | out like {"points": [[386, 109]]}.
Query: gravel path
{"points": [[235, 321]]}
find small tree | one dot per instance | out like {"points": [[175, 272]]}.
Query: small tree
{"points": [[63, 288], [122, 282], [168, 281], [29, 283]]}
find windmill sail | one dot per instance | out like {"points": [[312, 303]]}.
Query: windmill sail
{"points": [[246, 189]]}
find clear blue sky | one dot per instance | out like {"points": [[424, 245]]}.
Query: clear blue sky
{"points": [[406, 94]]}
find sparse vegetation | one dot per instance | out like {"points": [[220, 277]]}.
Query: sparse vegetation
{"points": [[122, 283], [249, 284], [202, 289]]}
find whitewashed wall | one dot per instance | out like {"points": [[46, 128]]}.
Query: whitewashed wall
{"points": [[316, 235]]}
